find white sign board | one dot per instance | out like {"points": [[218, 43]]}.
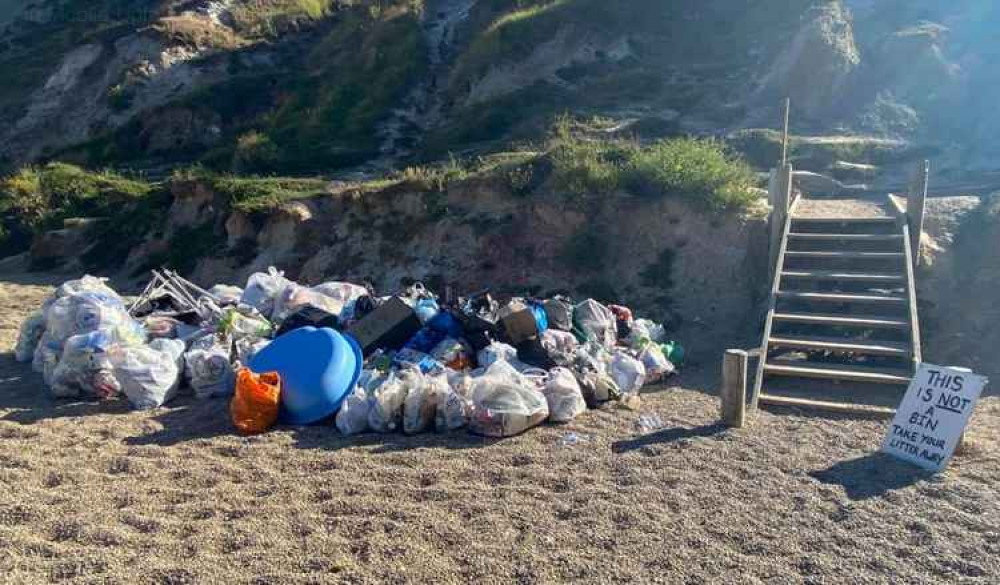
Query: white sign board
{"points": [[933, 415]]}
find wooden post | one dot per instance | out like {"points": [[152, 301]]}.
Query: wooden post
{"points": [[915, 204], [779, 194], [784, 132], [734, 388]]}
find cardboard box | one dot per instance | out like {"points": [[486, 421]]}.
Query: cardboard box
{"points": [[389, 326], [518, 323]]}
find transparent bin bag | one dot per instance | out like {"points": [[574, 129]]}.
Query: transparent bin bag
{"points": [[352, 418], [209, 371], [345, 293], [658, 367], [88, 283], [238, 324], [496, 352], [628, 373], [84, 368], [597, 323], [645, 332], [386, 414], [295, 297], [248, 347], [420, 405], [29, 336], [505, 403], [263, 289], [227, 295], [149, 375], [564, 396], [85, 312], [561, 346]]}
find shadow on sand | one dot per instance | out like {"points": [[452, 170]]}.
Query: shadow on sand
{"points": [[872, 475], [667, 436]]}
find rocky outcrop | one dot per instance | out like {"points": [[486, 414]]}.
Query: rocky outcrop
{"points": [[957, 283], [817, 67]]}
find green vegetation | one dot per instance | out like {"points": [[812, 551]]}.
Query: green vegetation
{"points": [[319, 114], [762, 148], [252, 194], [701, 171], [37, 199], [42, 197]]}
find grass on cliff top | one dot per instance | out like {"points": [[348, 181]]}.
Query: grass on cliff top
{"points": [[44, 196], [701, 171], [252, 194]]}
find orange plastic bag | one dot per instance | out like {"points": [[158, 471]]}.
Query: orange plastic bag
{"points": [[255, 406]]}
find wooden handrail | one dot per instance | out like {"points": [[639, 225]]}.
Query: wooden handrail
{"points": [[911, 291], [769, 324]]}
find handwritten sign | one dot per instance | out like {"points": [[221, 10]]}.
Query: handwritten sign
{"points": [[933, 415]]}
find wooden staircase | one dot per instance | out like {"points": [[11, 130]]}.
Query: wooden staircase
{"points": [[842, 325]]}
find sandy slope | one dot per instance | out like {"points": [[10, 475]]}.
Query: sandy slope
{"points": [[94, 493]]}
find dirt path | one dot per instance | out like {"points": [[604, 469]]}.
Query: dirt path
{"points": [[95, 493]]}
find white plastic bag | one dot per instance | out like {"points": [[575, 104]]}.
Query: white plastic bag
{"points": [[345, 293], [352, 418], [209, 370], [295, 297], [627, 372], [561, 346], [495, 352], [263, 289], [596, 322], [29, 336], [386, 414], [657, 365], [505, 403], [564, 396], [227, 295], [149, 375]]}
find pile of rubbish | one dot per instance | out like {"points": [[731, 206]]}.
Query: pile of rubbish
{"points": [[336, 352]]}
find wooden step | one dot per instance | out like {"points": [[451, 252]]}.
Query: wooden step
{"points": [[841, 298], [843, 373], [842, 276], [873, 322], [838, 407], [842, 346], [846, 255], [847, 237], [881, 220]]}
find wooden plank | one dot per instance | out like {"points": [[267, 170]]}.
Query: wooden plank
{"points": [[842, 346], [846, 255], [838, 407], [881, 220], [837, 372], [734, 388], [847, 237], [843, 276], [872, 322], [842, 298]]}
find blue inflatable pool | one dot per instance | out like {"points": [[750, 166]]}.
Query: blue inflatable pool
{"points": [[318, 368]]}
